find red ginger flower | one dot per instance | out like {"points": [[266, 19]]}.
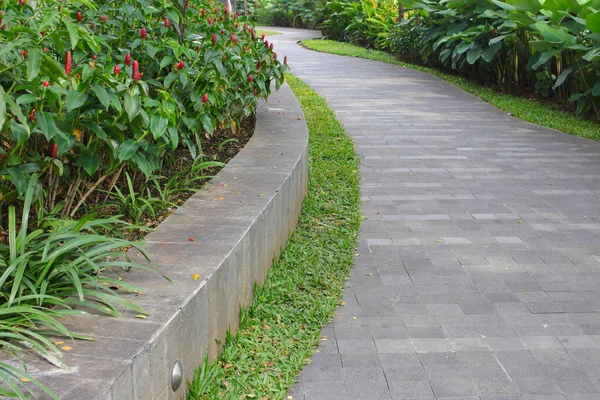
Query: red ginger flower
{"points": [[214, 38], [79, 17], [143, 33], [54, 151], [180, 65], [204, 98], [117, 70], [68, 63], [135, 71], [250, 78], [167, 23]]}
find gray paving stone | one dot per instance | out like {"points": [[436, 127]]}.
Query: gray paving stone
{"points": [[481, 239]]}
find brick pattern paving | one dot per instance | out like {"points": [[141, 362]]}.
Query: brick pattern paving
{"points": [[479, 267]]}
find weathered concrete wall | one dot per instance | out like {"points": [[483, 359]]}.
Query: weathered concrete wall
{"points": [[239, 223]]}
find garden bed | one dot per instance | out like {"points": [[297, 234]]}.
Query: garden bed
{"points": [[238, 224], [108, 110]]}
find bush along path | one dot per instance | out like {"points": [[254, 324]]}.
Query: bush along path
{"points": [[544, 48], [97, 100], [303, 288]]}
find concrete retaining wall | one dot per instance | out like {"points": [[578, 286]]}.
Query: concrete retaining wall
{"points": [[238, 224]]}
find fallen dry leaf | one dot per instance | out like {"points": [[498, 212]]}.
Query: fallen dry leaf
{"points": [[66, 348], [195, 277], [25, 380], [192, 239], [269, 363]]}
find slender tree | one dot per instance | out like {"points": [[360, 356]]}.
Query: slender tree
{"points": [[400, 11]]}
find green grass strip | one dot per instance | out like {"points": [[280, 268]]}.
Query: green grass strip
{"points": [[526, 109], [304, 287], [267, 33]]}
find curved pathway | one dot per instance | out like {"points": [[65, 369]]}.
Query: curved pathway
{"points": [[479, 267]]}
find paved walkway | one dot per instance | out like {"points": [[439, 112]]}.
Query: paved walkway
{"points": [[479, 267]]}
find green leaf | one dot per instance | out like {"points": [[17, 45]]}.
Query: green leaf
{"points": [[158, 125], [544, 57], [115, 102], [555, 35], [169, 79], [561, 78], [2, 109], [503, 5], [90, 162], [132, 105], [27, 98], [127, 149], [174, 135], [596, 89], [34, 59], [101, 94], [528, 5], [46, 124], [59, 166], [73, 35], [183, 77], [473, 55], [173, 14], [165, 61], [207, 123], [75, 99], [143, 164], [592, 22]]}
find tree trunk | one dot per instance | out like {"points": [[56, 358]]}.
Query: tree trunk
{"points": [[400, 12]]}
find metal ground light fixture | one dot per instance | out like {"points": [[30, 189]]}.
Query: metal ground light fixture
{"points": [[176, 376]]}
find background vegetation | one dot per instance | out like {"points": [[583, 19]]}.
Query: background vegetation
{"points": [[547, 48]]}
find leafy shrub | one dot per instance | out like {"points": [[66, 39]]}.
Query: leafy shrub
{"points": [[294, 13], [517, 43], [404, 40], [88, 89], [364, 22]]}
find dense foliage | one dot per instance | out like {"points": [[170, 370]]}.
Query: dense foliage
{"points": [[88, 89], [293, 13], [364, 22], [552, 46]]}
